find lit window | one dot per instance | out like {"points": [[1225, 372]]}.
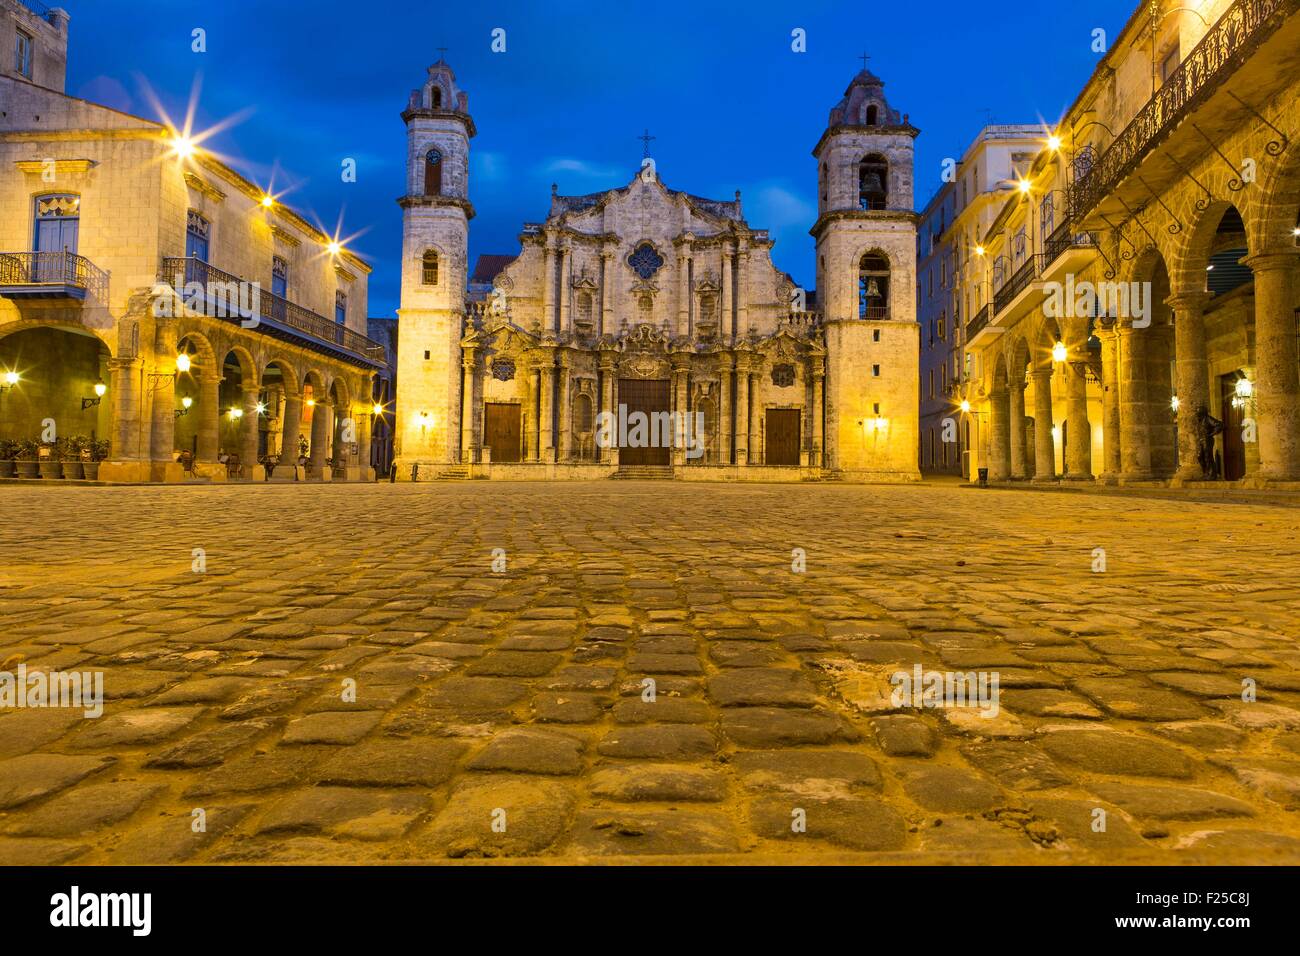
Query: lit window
{"points": [[341, 307], [429, 268]]}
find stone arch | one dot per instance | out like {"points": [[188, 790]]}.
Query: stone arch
{"points": [[56, 367], [875, 278], [873, 181], [1192, 256], [1018, 360], [1280, 208]]}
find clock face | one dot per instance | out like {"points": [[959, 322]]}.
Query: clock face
{"points": [[434, 157]]}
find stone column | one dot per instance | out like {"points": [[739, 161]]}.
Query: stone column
{"points": [[683, 293], [531, 374], [292, 429], [999, 435], [1016, 415], [607, 403], [1277, 367], [467, 447], [1133, 439], [321, 426], [742, 309], [724, 409], [1193, 387], [546, 446], [1110, 399], [248, 430], [819, 387], [606, 319], [208, 408], [679, 406], [726, 322], [125, 386], [565, 451], [163, 411], [1044, 443], [1078, 443], [548, 287], [566, 262], [742, 409]]}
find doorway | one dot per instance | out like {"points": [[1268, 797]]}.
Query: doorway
{"points": [[501, 431]]}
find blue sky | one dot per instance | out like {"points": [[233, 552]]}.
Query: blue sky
{"points": [[731, 106]]}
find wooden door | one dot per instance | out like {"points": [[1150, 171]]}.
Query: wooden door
{"points": [[782, 436], [1234, 447], [501, 431], [648, 396]]}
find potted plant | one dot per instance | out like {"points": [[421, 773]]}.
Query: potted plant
{"points": [[25, 457], [74, 452], [8, 449], [98, 452], [50, 458]]}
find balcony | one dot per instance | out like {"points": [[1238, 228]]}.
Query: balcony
{"points": [[276, 315], [977, 325], [1224, 49], [51, 275], [1020, 281]]}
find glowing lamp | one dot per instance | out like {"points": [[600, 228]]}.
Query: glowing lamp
{"points": [[377, 409], [261, 408], [267, 202], [979, 250], [1024, 187], [236, 413], [1053, 143], [182, 363], [1173, 403], [183, 146], [1059, 352], [11, 378], [965, 406], [101, 388], [334, 248], [187, 401]]}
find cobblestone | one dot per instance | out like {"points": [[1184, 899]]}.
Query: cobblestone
{"points": [[350, 681]]}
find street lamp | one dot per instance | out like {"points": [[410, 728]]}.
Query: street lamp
{"points": [[1059, 353], [186, 402], [100, 389]]}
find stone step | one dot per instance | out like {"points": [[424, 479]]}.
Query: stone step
{"points": [[643, 472]]}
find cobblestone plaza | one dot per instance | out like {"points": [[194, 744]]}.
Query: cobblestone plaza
{"points": [[648, 671]]}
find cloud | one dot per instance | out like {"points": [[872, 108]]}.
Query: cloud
{"points": [[580, 167], [488, 167]]}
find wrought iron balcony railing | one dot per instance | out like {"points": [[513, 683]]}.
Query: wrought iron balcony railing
{"points": [[1017, 284], [277, 309], [1063, 239], [977, 324], [32, 273], [1221, 52]]}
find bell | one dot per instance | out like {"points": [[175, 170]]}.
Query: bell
{"points": [[873, 289], [871, 182]]}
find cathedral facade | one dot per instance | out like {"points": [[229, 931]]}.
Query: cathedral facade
{"points": [[644, 331]]}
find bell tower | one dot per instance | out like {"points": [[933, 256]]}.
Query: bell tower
{"points": [[435, 235], [866, 281]]}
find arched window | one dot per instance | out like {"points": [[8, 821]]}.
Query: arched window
{"points": [[433, 173], [429, 270], [435, 98], [873, 182], [873, 287], [871, 115], [58, 218]]}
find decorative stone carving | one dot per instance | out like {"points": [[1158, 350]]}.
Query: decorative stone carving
{"points": [[783, 375], [503, 369]]}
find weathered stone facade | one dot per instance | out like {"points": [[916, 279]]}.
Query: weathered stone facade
{"points": [[1175, 194], [649, 298]]}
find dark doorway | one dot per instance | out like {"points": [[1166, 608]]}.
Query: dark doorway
{"points": [[649, 396], [1234, 447], [782, 446], [501, 431]]}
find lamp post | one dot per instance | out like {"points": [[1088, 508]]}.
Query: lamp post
{"points": [[100, 389]]}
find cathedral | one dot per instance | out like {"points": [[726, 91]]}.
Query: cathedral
{"points": [[648, 304]]}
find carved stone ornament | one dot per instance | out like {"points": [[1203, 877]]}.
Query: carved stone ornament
{"points": [[503, 369], [783, 375]]}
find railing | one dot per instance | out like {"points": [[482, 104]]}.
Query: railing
{"points": [[1017, 284], [1062, 239], [54, 268], [1223, 49], [271, 306], [873, 312], [38, 8], [977, 324]]}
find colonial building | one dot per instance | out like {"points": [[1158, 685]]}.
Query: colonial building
{"points": [[1136, 316], [645, 298], [154, 298], [975, 187]]}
